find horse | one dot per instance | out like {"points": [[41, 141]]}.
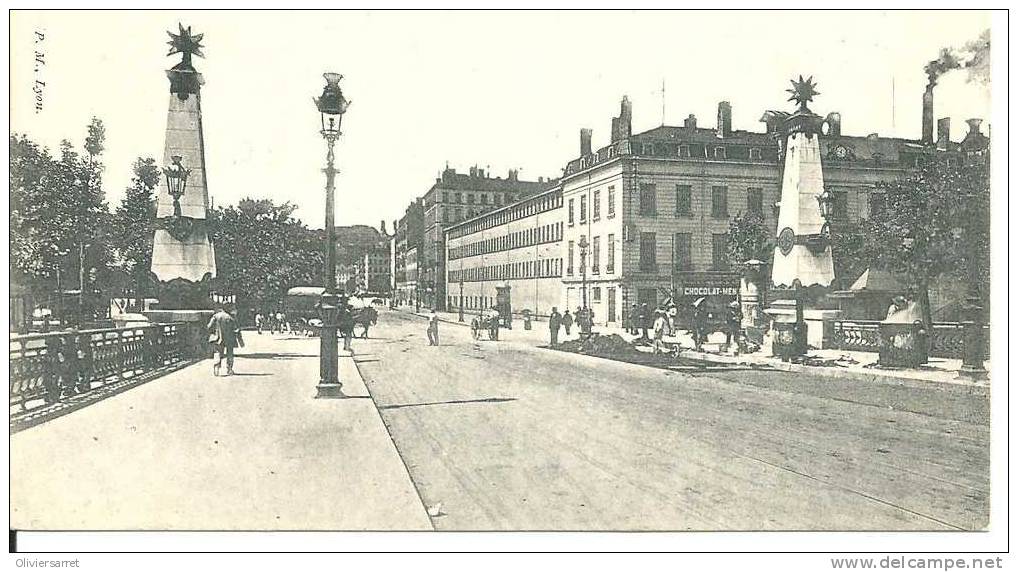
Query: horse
{"points": [[365, 318]]}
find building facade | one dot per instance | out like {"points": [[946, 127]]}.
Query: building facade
{"points": [[654, 210], [413, 295], [408, 233], [453, 198], [515, 250], [375, 272]]}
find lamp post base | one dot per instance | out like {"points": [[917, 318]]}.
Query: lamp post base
{"points": [[329, 391], [972, 373]]}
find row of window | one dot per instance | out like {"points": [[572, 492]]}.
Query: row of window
{"points": [[472, 302], [545, 268], [595, 256], [719, 152], [596, 204], [684, 200], [682, 252], [520, 239], [534, 206], [481, 198]]}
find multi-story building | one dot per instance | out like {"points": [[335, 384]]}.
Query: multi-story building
{"points": [[515, 250], [413, 296], [654, 209], [453, 198], [375, 270], [408, 233]]}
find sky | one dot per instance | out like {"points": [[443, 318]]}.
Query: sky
{"points": [[500, 90]]}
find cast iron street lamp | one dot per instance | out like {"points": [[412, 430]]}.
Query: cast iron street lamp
{"points": [[331, 105], [974, 351], [461, 299], [583, 244]]}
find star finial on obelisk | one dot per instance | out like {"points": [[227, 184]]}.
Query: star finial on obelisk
{"points": [[803, 92], [185, 43]]}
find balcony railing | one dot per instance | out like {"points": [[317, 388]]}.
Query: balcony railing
{"points": [[49, 368]]}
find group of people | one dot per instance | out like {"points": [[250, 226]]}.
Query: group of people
{"points": [[275, 322], [583, 319]]}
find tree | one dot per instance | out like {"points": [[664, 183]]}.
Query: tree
{"points": [[134, 225], [57, 204], [749, 238], [848, 247], [262, 251], [935, 222]]}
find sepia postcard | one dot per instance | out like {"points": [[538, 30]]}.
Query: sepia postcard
{"points": [[507, 271]]}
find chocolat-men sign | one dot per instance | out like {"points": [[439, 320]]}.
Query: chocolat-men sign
{"points": [[706, 284]]}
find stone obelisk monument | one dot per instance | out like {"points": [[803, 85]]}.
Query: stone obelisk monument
{"points": [[803, 249], [183, 257], [802, 254]]}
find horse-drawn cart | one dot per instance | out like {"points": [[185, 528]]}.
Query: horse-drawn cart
{"points": [[485, 324]]}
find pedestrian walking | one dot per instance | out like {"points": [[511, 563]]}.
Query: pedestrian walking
{"points": [[224, 335], [433, 328], [258, 322], [345, 324], [567, 321], [554, 323], [699, 323], [645, 319], [495, 323], [733, 327], [660, 326], [634, 320]]}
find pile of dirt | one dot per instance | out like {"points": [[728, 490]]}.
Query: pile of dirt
{"points": [[613, 346]]}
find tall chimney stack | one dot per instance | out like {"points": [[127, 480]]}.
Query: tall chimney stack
{"points": [[943, 133], [724, 119], [928, 115], [585, 135], [622, 126]]}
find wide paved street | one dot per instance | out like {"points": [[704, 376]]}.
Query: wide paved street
{"points": [[254, 451], [505, 435]]}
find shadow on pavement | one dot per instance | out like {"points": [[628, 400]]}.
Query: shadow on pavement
{"points": [[274, 356], [450, 402]]}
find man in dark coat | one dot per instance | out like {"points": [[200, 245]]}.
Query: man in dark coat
{"points": [[554, 323], [567, 321], [699, 322], [644, 319], [733, 327], [224, 335], [345, 324]]}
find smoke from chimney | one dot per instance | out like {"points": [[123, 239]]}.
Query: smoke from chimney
{"points": [[973, 57]]}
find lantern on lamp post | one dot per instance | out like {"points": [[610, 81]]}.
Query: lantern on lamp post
{"points": [[176, 182], [331, 106]]}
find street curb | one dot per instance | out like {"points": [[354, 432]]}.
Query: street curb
{"points": [[821, 371], [388, 432]]}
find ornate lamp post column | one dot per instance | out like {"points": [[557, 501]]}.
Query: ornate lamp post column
{"points": [[331, 105], [583, 244], [461, 298], [974, 349]]}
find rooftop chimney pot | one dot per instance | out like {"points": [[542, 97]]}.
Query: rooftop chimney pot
{"points": [[585, 137]]}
